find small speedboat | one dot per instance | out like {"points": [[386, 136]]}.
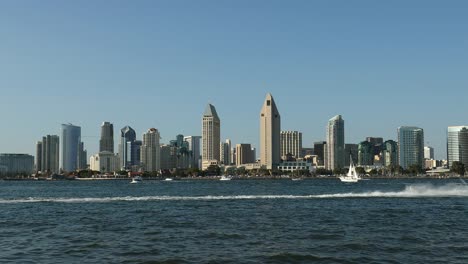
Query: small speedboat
{"points": [[225, 178], [168, 179], [136, 179]]}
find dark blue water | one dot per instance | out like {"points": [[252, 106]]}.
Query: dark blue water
{"points": [[238, 221]]}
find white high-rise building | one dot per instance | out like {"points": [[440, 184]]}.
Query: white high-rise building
{"points": [[457, 145], [428, 152], [150, 151], [291, 143], [211, 136], [270, 127], [335, 143]]}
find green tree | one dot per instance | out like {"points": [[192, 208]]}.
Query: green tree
{"points": [[458, 168], [360, 170]]}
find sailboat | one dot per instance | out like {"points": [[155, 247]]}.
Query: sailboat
{"points": [[352, 175]]}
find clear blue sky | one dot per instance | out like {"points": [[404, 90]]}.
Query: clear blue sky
{"points": [[380, 64]]}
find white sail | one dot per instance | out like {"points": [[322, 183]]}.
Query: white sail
{"points": [[352, 175]]}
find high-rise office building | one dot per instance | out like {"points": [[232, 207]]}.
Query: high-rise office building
{"points": [[410, 146], [225, 152], [390, 153], [319, 150], [70, 147], [106, 143], [270, 128], [180, 151], [351, 152], [211, 136], [194, 148], [291, 143], [365, 153], [244, 154], [82, 162], [38, 156], [428, 152], [150, 151], [49, 155], [335, 143], [127, 142], [457, 145]]}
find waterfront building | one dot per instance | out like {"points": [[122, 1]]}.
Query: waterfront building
{"points": [[319, 150], [410, 146], [390, 153], [194, 148], [106, 143], [225, 152], [335, 143], [70, 147], [296, 165], [104, 162], [291, 143], [244, 154], [48, 155], [127, 147], [351, 151], [13, 164], [211, 136], [457, 145], [365, 153], [150, 151], [428, 152], [270, 127]]}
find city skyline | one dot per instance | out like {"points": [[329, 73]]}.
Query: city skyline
{"points": [[355, 60]]}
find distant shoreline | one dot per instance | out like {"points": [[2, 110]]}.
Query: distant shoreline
{"points": [[214, 178]]}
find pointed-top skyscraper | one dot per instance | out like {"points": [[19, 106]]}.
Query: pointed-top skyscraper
{"points": [[211, 137], [270, 129]]}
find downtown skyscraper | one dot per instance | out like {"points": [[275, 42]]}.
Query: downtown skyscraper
{"points": [[106, 143], [410, 146], [48, 154], [150, 151], [457, 145], [71, 148], [127, 147], [270, 128], [211, 137], [335, 154], [194, 147], [291, 143]]}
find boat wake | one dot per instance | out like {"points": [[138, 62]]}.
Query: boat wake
{"points": [[410, 191]]}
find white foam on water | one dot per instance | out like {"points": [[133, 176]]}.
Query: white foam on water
{"points": [[410, 191]]}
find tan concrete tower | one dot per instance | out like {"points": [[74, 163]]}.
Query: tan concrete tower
{"points": [[270, 128], [211, 136]]}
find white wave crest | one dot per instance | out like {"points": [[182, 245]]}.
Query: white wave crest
{"points": [[410, 191]]}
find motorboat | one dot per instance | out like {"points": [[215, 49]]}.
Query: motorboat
{"points": [[136, 179], [168, 179], [225, 178]]}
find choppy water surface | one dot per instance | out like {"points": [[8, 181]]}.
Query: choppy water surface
{"points": [[238, 221]]}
